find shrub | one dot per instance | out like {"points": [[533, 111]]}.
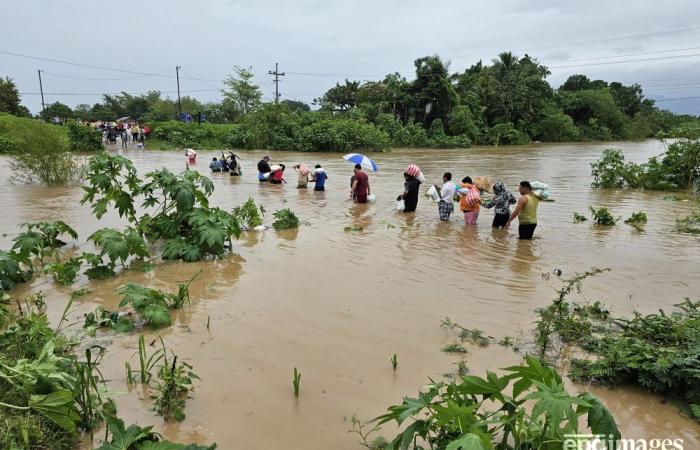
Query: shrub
{"points": [[285, 219], [506, 134], [677, 168], [603, 216], [8, 146], [82, 138], [40, 152]]}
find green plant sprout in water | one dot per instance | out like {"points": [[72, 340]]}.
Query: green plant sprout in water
{"points": [[578, 218], [637, 220], [394, 361], [174, 384], [147, 363], [603, 216], [296, 382], [285, 219]]}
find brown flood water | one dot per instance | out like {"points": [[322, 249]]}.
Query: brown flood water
{"points": [[338, 304]]}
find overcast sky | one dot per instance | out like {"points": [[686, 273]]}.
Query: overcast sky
{"points": [[320, 42]]}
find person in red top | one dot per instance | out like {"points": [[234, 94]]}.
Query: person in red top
{"points": [[277, 176], [360, 185]]}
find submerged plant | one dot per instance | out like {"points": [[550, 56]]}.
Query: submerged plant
{"points": [[603, 216], [455, 415], [248, 214], [174, 383], [394, 361], [296, 381], [42, 238], [637, 219], [14, 268], [285, 219], [65, 272], [690, 223], [136, 437], [579, 217]]}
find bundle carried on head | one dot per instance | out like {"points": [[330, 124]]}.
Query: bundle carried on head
{"points": [[540, 190], [483, 183], [414, 171]]}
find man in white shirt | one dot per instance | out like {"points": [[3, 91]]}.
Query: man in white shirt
{"points": [[446, 204]]}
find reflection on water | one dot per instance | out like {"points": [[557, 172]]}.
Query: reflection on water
{"points": [[337, 304]]}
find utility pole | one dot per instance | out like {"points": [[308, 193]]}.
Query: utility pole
{"points": [[41, 89], [277, 75], [179, 105]]}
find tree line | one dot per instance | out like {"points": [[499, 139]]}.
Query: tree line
{"points": [[509, 101]]}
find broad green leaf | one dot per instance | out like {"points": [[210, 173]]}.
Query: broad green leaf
{"points": [[57, 407], [468, 441], [600, 421]]}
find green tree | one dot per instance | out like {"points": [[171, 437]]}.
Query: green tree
{"points": [[82, 111], [627, 98], [296, 105], [340, 97], [581, 83], [434, 96], [241, 96], [10, 99], [595, 111], [461, 122], [57, 109]]}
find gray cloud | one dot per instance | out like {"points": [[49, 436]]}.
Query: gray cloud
{"points": [[360, 39]]}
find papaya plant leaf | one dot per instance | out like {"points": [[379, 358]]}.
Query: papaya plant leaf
{"points": [[468, 441]]}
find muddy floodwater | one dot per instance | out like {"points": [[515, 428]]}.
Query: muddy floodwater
{"points": [[338, 304]]}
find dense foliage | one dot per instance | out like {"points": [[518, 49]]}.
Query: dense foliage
{"points": [[83, 138], [48, 394], [180, 214], [526, 408], [40, 152], [658, 351], [506, 102], [677, 168]]}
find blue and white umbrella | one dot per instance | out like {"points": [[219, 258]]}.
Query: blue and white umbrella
{"points": [[357, 158]]}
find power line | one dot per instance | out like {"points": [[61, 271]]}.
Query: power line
{"points": [[570, 44], [693, 55], [91, 66], [116, 93], [675, 99], [620, 55], [72, 77]]}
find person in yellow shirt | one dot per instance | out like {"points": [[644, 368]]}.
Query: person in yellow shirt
{"points": [[525, 211]]}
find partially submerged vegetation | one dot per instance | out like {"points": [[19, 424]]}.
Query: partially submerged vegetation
{"points": [[532, 410], [49, 394], [657, 351], [678, 168]]}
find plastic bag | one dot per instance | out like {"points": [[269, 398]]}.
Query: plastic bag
{"points": [[433, 194], [400, 205], [371, 198], [539, 185]]}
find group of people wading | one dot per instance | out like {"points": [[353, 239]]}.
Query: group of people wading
{"points": [[468, 194]]}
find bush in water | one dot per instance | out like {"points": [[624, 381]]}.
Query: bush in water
{"points": [[82, 138]]}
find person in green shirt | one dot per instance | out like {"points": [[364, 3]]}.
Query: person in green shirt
{"points": [[525, 211]]}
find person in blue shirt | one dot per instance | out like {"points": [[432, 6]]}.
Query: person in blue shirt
{"points": [[319, 177], [215, 165]]}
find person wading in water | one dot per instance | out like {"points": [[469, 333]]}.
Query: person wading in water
{"points": [[525, 211]]}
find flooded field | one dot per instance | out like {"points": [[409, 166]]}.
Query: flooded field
{"points": [[338, 304]]}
